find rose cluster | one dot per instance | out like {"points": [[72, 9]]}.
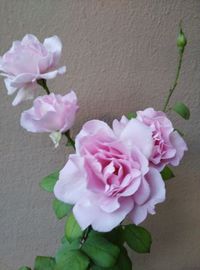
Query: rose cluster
{"points": [[115, 172]]}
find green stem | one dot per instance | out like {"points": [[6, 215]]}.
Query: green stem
{"points": [[67, 134], [43, 83], [171, 90]]}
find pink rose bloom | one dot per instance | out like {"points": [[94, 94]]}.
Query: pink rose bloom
{"points": [[169, 146], [51, 113], [27, 61], [109, 176]]}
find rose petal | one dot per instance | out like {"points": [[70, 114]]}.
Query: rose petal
{"points": [[180, 146], [157, 195], [86, 213], [54, 45], [135, 134], [10, 88], [72, 181], [23, 94]]}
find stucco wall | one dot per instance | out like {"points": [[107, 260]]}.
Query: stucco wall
{"points": [[121, 57]]}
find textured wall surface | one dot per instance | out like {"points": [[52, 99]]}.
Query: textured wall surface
{"points": [[121, 57]]}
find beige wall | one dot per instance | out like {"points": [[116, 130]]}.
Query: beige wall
{"points": [[121, 57]]}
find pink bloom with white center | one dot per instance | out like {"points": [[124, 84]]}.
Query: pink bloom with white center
{"points": [[27, 61], [169, 146], [51, 113], [109, 178]]}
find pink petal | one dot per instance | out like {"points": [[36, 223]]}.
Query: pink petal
{"points": [[54, 45], [135, 134], [157, 195], [86, 213], [9, 87], [109, 204], [52, 74], [118, 126], [22, 79], [91, 128], [23, 94], [143, 193], [72, 181], [27, 122], [138, 214], [133, 187], [29, 39], [180, 146]]}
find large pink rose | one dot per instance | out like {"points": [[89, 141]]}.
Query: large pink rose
{"points": [[51, 113], [109, 177], [169, 146], [27, 61]]}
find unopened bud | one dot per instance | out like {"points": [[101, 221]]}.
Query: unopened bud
{"points": [[181, 40]]}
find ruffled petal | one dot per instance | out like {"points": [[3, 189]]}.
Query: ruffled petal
{"points": [[87, 213], [52, 74], [91, 128], [72, 181], [135, 134], [23, 94], [118, 126], [54, 45], [180, 146], [22, 79], [157, 195], [29, 39], [9, 87]]}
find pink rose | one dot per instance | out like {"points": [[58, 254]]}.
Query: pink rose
{"points": [[109, 177], [27, 61], [169, 146], [51, 113]]}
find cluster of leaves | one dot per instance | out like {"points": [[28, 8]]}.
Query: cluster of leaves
{"points": [[84, 250]]}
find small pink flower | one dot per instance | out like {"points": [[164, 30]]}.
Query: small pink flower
{"points": [[27, 61], [109, 177], [51, 113], [169, 146]]}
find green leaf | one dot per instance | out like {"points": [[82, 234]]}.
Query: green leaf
{"points": [[182, 110], [62, 251], [24, 268], [65, 248], [138, 238], [47, 263], [61, 209], [131, 115], [115, 236], [72, 229], [101, 251], [49, 181], [72, 260], [123, 262], [167, 173], [63, 240]]}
